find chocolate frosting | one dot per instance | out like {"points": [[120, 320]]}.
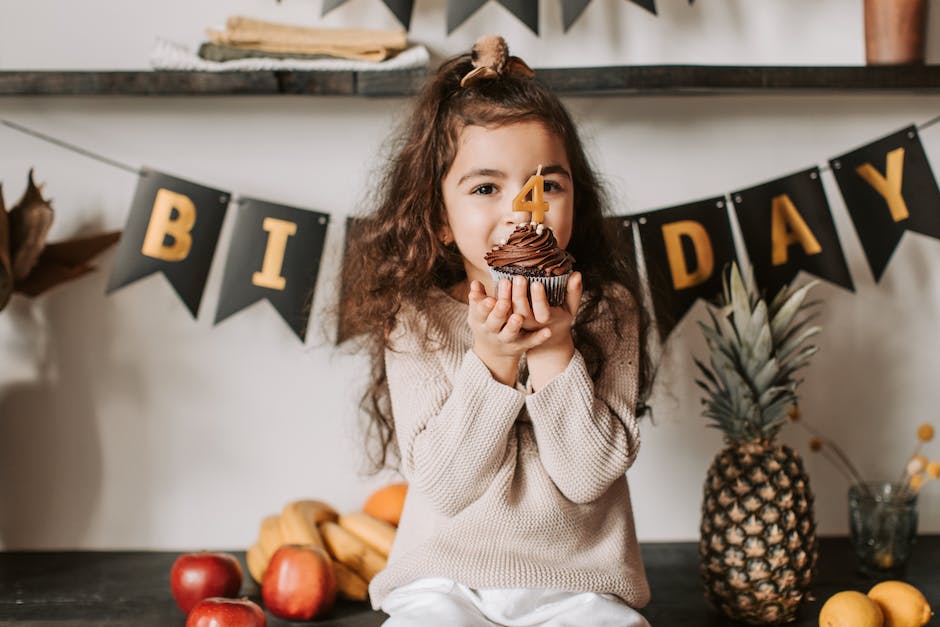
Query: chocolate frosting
{"points": [[527, 248]]}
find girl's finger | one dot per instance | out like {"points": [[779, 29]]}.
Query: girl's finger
{"points": [[520, 297], [536, 338], [475, 299], [498, 316], [481, 309], [573, 293], [510, 332], [540, 307], [477, 292], [504, 290]]}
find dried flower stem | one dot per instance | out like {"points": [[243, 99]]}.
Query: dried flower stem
{"points": [[853, 474], [904, 474], [826, 450]]}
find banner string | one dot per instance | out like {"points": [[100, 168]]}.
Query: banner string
{"points": [[63, 144], [123, 166], [928, 123]]}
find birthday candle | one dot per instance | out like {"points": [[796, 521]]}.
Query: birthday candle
{"points": [[537, 206]]}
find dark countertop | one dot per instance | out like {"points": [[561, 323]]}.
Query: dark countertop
{"points": [[104, 588]]}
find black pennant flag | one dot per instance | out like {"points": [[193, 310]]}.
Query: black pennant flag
{"points": [[275, 255], [401, 8], [526, 10], [329, 5], [571, 10], [787, 227], [459, 10], [173, 228], [649, 5], [888, 188], [686, 248]]}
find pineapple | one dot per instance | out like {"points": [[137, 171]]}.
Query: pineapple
{"points": [[757, 543]]}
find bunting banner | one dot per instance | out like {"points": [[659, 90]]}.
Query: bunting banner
{"points": [[163, 234], [888, 187], [458, 11], [787, 227], [402, 9], [785, 224], [649, 5], [685, 248], [274, 255], [571, 10]]}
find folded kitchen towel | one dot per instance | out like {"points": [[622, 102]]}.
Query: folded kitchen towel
{"points": [[167, 55], [357, 44]]}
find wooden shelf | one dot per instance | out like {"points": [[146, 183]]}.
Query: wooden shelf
{"points": [[172, 83], [639, 80]]}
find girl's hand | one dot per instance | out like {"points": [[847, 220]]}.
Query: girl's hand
{"points": [[552, 356], [537, 313], [498, 337]]}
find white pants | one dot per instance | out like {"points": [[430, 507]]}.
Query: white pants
{"points": [[438, 602]]}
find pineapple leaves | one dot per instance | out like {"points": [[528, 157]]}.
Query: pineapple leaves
{"points": [[761, 350], [786, 349], [708, 373], [754, 351], [758, 320], [787, 310], [765, 377], [740, 302]]}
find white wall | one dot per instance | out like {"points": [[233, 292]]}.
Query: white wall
{"points": [[126, 423]]}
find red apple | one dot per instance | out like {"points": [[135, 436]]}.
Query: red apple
{"points": [[299, 583], [196, 576], [220, 612]]}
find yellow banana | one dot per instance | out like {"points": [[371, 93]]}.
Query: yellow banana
{"points": [[299, 519], [349, 585], [361, 558], [257, 562], [269, 536], [376, 533]]}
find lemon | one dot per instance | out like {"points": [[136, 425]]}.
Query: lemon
{"points": [[850, 609], [903, 604]]}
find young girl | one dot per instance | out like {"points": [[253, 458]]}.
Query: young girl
{"points": [[513, 422]]}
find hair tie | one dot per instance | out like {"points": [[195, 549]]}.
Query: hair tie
{"points": [[490, 58]]}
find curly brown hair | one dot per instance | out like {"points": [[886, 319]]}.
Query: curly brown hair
{"points": [[395, 254]]}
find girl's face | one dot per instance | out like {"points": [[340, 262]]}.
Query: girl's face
{"points": [[490, 168]]}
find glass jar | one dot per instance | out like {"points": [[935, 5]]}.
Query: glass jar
{"points": [[882, 526]]}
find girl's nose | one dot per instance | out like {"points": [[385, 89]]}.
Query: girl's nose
{"points": [[515, 217]]}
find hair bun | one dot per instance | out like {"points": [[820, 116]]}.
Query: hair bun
{"points": [[490, 59]]}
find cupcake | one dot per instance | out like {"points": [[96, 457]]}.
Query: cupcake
{"points": [[532, 251]]}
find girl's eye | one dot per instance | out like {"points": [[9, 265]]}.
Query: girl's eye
{"points": [[484, 190], [551, 186]]}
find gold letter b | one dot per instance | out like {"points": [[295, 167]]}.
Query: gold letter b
{"points": [[162, 224]]}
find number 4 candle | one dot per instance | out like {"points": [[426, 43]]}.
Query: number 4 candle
{"points": [[537, 206]]}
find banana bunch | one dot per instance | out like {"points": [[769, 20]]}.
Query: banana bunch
{"points": [[358, 543]]}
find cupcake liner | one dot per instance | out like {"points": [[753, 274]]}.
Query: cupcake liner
{"points": [[555, 286]]}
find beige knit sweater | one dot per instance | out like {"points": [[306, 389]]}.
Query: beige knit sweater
{"points": [[509, 488]]}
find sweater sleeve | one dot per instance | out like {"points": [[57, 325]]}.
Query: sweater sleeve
{"points": [[587, 432], [453, 426]]}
